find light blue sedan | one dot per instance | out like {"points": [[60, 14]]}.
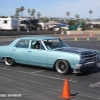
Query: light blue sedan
{"points": [[49, 52]]}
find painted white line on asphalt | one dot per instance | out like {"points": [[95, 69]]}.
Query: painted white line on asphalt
{"points": [[58, 90], [37, 71], [15, 70], [85, 94], [24, 71], [95, 84], [53, 77], [51, 89], [38, 75], [89, 96]]}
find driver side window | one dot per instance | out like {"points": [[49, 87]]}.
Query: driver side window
{"points": [[37, 45]]}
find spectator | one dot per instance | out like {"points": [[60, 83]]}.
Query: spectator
{"points": [[27, 24], [91, 27]]}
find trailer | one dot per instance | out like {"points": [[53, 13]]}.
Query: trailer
{"points": [[9, 23]]}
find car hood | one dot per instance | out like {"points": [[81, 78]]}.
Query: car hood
{"points": [[82, 51]]}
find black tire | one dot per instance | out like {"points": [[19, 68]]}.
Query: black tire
{"points": [[62, 67], [9, 61]]}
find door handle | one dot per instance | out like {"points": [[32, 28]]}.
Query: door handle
{"points": [[14, 50], [29, 51]]}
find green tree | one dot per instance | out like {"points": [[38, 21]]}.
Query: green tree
{"points": [[33, 12], [45, 19], [2, 16], [17, 11], [16, 15], [90, 12], [77, 16], [21, 10], [68, 13], [29, 11], [38, 15]]}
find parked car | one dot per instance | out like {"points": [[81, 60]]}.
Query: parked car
{"points": [[50, 27], [61, 27], [49, 52]]}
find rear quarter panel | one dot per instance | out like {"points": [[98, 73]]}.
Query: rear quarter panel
{"points": [[5, 51]]}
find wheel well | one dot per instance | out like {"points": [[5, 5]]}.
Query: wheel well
{"points": [[3, 58], [61, 59], [7, 57]]}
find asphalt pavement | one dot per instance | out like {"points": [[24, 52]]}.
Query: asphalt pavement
{"points": [[37, 83]]}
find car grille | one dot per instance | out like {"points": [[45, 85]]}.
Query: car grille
{"points": [[89, 58]]}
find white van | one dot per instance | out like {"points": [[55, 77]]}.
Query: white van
{"points": [[9, 23]]}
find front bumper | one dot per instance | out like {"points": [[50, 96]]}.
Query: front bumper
{"points": [[80, 68]]}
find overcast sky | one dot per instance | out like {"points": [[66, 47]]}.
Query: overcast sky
{"points": [[53, 8]]}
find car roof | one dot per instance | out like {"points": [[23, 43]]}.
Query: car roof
{"points": [[38, 37]]}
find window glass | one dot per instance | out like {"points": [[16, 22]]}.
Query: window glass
{"points": [[37, 45], [54, 43], [5, 21], [23, 44]]}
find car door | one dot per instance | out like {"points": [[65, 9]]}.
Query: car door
{"points": [[37, 56], [20, 51]]}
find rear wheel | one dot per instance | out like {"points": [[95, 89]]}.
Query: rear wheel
{"points": [[62, 67], [9, 61]]}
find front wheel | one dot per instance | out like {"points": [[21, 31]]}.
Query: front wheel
{"points": [[9, 61], [62, 67]]}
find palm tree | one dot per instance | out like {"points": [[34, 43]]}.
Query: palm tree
{"points": [[38, 15], [22, 9], [33, 12], [17, 12], [90, 12], [77, 16], [16, 15], [68, 13], [28, 10]]}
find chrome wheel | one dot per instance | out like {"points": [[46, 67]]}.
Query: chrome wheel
{"points": [[62, 66], [9, 61]]}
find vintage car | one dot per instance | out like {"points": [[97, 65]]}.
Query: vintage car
{"points": [[49, 52]]}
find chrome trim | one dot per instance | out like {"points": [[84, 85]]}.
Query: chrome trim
{"points": [[88, 58], [89, 54], [85, 65]]}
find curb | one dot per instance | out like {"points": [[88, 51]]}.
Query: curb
{"points": [[12, 33]]}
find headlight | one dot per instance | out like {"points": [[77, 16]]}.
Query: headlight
{"points": [[98, 56], [82, 60]]}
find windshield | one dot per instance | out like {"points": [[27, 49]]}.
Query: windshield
{"points": [[54, 43]]}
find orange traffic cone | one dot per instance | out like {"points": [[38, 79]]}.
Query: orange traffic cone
{"points": [[93, 35], [66, 91], [74, 37], [83, 36], [61, 37]]}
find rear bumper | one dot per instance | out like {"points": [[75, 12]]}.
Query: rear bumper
{"points": [[85, 67]]}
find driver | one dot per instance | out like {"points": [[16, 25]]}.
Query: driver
{"points": [[37, 45]]}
